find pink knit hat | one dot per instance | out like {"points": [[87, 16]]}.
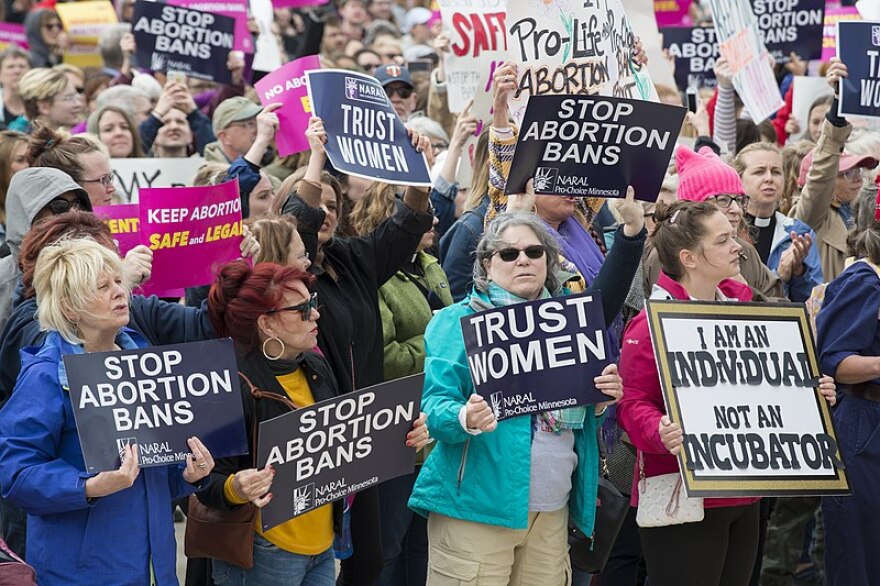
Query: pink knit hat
{"points": [[703, 175]]}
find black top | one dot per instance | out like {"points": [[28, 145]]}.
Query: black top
{"points": [[764, 229]]}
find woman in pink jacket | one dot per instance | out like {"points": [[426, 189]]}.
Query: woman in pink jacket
{"points": [[700, 258]]}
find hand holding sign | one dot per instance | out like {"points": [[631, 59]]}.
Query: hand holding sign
{"points": [[137, 266], [504, 82], [419, 437], [317, 136], [723, 73], [632, 213], [254, 485], [107, 483], [610, 383], [198, 464], [671, 435], [836, 71], [250, 246], [828, 390], [479, 415], [422, 144]]}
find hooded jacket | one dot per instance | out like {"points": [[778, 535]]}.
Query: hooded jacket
{"points": [[30, 190], [41, 53]]}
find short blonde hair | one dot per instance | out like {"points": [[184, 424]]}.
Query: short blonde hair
{"points": [[274, 233], [66, 281], [40, 84]]}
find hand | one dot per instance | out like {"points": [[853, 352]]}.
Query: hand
{"points": [[523, 202], [479, 415], [791, 263], [419, 437], [254, 485], [796, 65], [184, 101], [137, 266], [836, 71], [671, 435], [107, 483], [700, 119], [235, 65], [723, 72], [632, 213], [198, 464], [250, 246], [422, 144], [168, 98], [828, 389], [792, 126], [128, 45], [465, 127], [639, 56], [610, 383], [63, 42], [504, 81], [442, 43], [316, 135], [267, 123]]}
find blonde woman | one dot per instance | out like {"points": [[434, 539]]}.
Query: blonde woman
{"points": [[49, 95]]}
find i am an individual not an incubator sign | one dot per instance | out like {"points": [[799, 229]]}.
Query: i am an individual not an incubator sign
{"points": [[742, 380]]}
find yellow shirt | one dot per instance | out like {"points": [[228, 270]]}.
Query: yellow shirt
{"points": [[308, 534]]}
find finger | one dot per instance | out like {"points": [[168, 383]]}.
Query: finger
{"points": [[664, 421], [466, 111], [491, 426], [272, 107], [262, 501], [475, 398]]}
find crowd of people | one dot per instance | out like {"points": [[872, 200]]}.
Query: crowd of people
{"points": [[346, 282]]}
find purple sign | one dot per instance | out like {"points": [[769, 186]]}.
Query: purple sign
{"points": [[189, 230], [289, 86]]}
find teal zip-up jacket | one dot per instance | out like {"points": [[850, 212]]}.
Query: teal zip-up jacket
{"points": [[485, 478]]}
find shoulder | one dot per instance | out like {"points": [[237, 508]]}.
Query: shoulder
{"points": [[446, 323], [735, 290]]}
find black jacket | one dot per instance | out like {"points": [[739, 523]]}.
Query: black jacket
{"points": [[350, 328]]}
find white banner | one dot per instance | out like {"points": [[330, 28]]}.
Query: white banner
{"points": [[130, 175]]}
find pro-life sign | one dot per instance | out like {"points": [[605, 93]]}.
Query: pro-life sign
{"points": [[156, 397], [537, 356], [858, 45], [365, 136], [594, 146], [742, 380], [331, 449]]}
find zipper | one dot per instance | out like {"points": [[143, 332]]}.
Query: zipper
{"points": [[463, 464]]}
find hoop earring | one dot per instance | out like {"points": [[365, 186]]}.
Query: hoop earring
{"points": [[280, 354]]}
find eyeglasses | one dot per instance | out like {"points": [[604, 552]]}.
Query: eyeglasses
{"points": [[105, 180], [511, 254], [403, 92], [250, 123], [59, 205], [305, 308], [724, 201], [69, 97], [854, 174]]}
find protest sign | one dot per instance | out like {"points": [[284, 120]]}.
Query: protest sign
{"points": [[478, 38], [289, 87], [538, 356], [644, 24], [673, 12], [157, 398], [366, 138], [695, 51], [12, 34], [593, 146], [829, 32], [741, 379], [807, 91], [173, 38], [869, 9], [326, 451], [83, 22], [267, 56], [130, 175], [124, 223], [858, 44], [791, 25], [740, 43], [190, 229], [573, 48], [236, 9]]}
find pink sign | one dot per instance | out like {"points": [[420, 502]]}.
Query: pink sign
{"points": [[829, 33], [124, 224], [673, 13], [287, 85], [12, 33], [236, 9], [190, 230], [297, 3]]}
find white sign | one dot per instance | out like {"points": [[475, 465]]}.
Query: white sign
{"points": [[130, 175]]}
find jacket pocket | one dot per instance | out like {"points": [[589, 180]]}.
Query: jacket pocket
{"points": [[447, 569], [463, 465]]}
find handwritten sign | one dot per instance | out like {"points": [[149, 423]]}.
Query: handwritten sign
{"points": [[130, 175]]}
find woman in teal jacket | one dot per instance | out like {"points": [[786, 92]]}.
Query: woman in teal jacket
{"points": [[498, 503]]}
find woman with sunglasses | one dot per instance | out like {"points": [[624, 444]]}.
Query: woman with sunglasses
{"points": [[498, 495], [46, 37], [271, 315]]}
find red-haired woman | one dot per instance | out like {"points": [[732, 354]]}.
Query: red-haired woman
{"points": [[271, 314]]}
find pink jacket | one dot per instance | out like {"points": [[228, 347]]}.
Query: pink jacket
{"points": [[641, 407]]}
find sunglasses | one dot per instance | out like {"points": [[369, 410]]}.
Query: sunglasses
{"points": [[59, 205], [52, 26], [403, 92], [534, 252], [305, 308]]}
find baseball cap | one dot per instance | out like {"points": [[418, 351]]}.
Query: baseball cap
{"points": [[847, 162], [388, 74], [237, 109]]}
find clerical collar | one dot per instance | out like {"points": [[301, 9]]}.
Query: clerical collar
{"points": [[763, 222]]}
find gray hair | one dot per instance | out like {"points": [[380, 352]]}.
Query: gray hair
{"points": [[121, 96], [428, 127], [491, 242], [864, 240], [108, 44]]}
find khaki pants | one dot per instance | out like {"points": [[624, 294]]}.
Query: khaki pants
{"points": [[462, 553]]}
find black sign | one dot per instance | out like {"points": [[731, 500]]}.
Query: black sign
{"points": [[537, 356], [858, 45], [791, 25], [326, 451], [695, 51], [366, 138], [594, 146], [156, 397], [173, 38]]}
